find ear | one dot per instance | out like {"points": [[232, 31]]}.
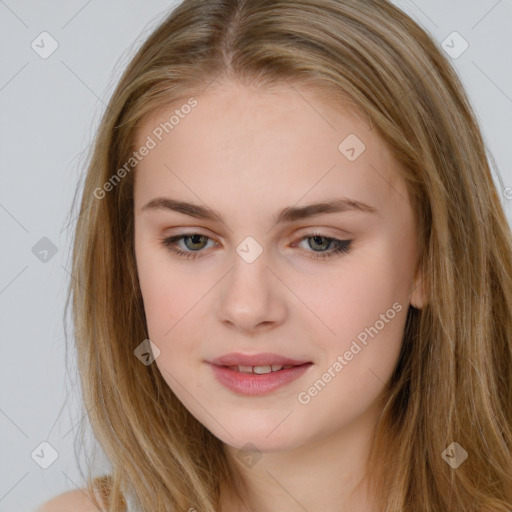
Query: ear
{"points": [[418, 291]]}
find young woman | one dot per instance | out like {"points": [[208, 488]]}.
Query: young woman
{"points": [[292, 273]]}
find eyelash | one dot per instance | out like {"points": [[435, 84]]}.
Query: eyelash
{"points": [[342, 246]]}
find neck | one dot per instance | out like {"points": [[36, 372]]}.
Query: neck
{"points": [[326, 473]]}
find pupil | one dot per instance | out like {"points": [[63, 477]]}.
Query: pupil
{"points": [[317, 238], [196, 239]]}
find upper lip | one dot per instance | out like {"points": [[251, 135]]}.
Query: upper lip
{"points": [[263, 359]]}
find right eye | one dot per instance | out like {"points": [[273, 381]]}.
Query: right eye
{"points": [[196, 239]]}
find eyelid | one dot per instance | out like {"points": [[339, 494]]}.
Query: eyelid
{"points": [[327, 231], [299, 235], [342, 245]]}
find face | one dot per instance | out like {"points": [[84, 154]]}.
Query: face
{"points": [[316, 296]]}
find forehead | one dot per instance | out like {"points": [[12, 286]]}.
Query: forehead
{"points": [[258, 143]]}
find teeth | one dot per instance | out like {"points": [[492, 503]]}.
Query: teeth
{"points": [[260, 370]]}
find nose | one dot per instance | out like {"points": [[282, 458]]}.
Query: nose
{"points": [[251, 298]]}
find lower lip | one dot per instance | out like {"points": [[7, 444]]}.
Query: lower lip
{"points": [[251, 384]]}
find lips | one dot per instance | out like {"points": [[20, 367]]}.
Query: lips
{"points": [[263, 359], [257, 374]]}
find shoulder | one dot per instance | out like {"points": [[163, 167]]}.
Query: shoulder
{"points": [[72, 501]]}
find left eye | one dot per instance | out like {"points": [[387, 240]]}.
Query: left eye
{"points": [[198, 241]]}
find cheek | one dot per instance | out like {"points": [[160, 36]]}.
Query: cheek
{"points": [[169, 291], [357, 365], [165, 294], [173, 298], [363, 309], [169, 300], [344, 301]]}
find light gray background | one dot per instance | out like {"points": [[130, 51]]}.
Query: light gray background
{"points": [[49, 110]]}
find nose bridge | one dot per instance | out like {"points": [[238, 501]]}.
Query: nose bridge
{"points": [[250, 294], [249, 282]]}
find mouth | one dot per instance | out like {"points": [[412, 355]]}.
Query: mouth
{"points": [[256, 360], [257, 374], [262, 369]]}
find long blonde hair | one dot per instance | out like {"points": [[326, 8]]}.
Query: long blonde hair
{"points": [[453, 379]]}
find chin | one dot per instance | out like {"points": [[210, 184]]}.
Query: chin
{"points": [[266, 432]]}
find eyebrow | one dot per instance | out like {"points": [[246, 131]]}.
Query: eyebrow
{"points": [[288, 214]]}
